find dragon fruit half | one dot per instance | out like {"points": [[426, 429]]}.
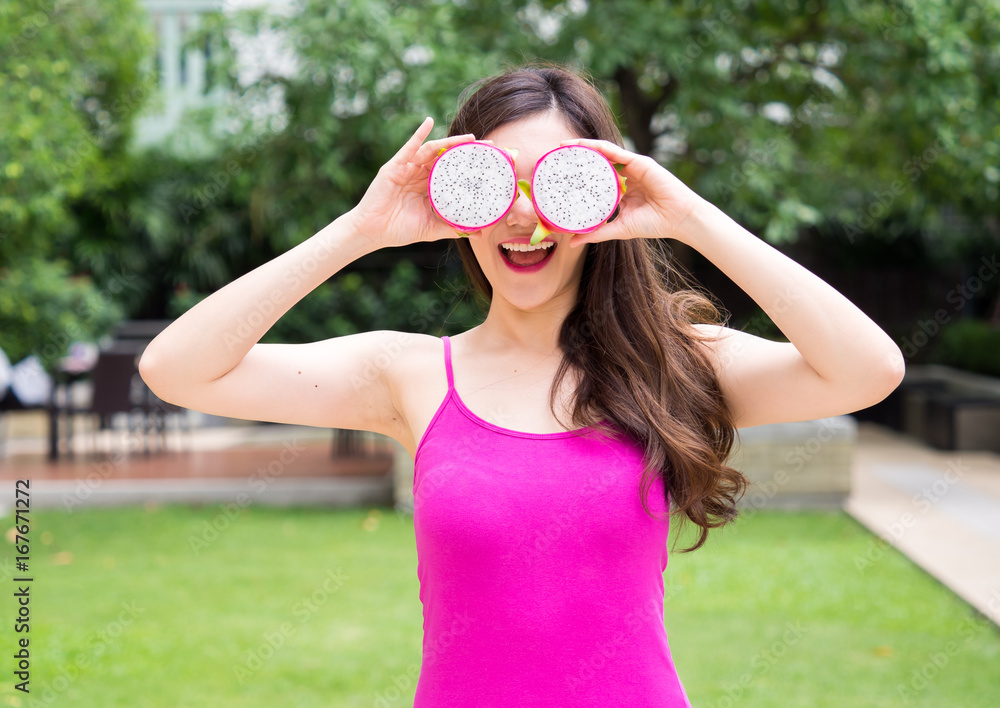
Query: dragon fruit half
{"points": [[472, 185], [574, 189]]}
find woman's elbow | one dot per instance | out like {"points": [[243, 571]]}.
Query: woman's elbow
{"points": [[152, 375], [885, 374]]}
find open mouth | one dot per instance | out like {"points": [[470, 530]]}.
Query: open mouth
{"points": [[547, 254]]}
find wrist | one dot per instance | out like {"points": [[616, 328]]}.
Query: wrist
{"points": [[690, 229], [354, 228], [350, 223], [343, 235]]}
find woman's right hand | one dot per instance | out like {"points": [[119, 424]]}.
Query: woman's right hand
{"points": [[396, 211]]}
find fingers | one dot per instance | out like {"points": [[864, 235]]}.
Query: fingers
{"points": [[632, 163], [410, 147], [607, 232], [608, 149], [416, 150], [429, 150]]}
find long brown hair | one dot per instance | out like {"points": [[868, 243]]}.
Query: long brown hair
{"points": [[631, 331]]}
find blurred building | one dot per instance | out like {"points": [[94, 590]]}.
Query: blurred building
{"points": [[181, 71]]}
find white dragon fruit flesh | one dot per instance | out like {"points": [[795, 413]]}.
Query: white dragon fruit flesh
{"points": [[574, 189], [472, 185]]}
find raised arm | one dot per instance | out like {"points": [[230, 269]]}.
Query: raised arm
{"points": [[837, 360], [210, 358]]}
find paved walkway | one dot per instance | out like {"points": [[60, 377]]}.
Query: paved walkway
{"points": [[245, 463], [941, 509]]}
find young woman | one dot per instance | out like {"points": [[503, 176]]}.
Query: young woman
{"points": [[542, 546]]}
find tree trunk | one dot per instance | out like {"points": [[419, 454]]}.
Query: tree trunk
{"points": [[639, 108]]}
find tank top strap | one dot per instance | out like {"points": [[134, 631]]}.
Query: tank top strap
{"points": [[447, 362]]}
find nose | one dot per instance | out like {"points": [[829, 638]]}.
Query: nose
{"points": [[522, 213]]}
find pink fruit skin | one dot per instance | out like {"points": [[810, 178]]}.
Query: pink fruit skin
{"points": [[548, 224], [458, 227]]}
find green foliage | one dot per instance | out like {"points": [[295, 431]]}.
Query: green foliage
{"points": [[786, 115], [43, 310], [168, 224], [70, 86], [888, 107], [969, 344], [361, 90], [872, 121], [351, 303]]}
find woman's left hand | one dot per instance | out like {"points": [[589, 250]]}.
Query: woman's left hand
{"points": [[655, 204]]}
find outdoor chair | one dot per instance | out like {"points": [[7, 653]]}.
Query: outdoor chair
{"points": [[117, 389]]}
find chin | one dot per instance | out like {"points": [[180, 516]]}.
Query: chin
{"points": [[526, 296], [525, 304]]}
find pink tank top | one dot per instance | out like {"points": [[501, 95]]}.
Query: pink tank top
{"points": [[541, 576]]}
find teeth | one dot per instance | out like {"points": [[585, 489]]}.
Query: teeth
{"points": [[526, 247]]}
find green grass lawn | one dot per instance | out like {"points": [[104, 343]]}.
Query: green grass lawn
{"points": [[307, 607]]}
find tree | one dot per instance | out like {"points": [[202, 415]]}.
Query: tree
{"points": [[869, 120], [784, 114], [70, 88]]}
